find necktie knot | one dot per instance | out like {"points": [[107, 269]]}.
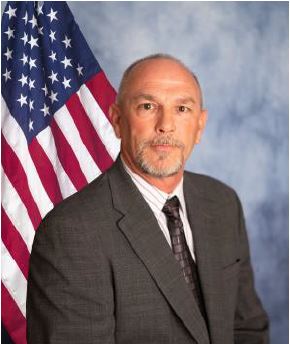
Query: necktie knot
{"points": [[171, 208]]}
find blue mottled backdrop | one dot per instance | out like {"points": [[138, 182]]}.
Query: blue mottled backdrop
{"points": [[239, 50]]}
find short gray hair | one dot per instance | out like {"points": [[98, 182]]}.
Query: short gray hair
{"points": [[154, 57]]}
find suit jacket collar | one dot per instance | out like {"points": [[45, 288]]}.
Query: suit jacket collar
{"points": [[147, 240]]}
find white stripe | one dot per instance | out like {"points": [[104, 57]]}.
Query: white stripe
{"points": [[46, 141], [17, 141], [13, 279], [100, 122], [16, 211], [72, 135]]}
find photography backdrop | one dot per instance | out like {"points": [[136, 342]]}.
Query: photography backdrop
{"points": [[239, 50]]}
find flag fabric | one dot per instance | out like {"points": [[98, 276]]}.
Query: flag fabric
{"points": [[56, 134]]}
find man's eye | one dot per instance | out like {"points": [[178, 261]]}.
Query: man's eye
{"points": [[183, 108], [147, 106]]}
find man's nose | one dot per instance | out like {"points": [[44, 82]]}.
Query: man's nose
{"points": [[165, 122]]}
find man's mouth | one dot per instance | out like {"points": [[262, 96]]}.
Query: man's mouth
{"points": [[163, 147]]}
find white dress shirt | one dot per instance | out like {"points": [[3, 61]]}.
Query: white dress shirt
{"points": [[156, 200]]}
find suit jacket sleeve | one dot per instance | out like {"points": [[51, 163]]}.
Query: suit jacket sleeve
{"points": [[70, 294], [251, 322]]}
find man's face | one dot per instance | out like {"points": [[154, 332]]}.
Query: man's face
{"points": [[159, 118]]}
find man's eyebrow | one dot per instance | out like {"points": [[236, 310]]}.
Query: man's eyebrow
{"points": [[144, 96], [185, 100], [152, 98]]}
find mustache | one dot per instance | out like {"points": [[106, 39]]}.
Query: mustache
{"points": [[164, 140]]}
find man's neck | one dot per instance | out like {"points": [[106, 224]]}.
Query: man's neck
{"points": [[166, 184]]}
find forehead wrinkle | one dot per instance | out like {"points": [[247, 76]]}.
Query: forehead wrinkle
{"points": [[175, 90]]}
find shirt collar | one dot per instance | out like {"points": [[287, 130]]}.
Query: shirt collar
{"points": [[154, 196]]}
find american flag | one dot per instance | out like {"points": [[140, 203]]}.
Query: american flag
{"points": [[56, 134]]}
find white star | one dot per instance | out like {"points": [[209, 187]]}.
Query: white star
{"points": [[9, 32], [52, 15], [25, 18], [53, 97], [67, 41], [66, 62], [52, 56], [40, 31], [45, 110], [23, 80], [39, 9], [33, 42], [24, 38], [7, 74], [24, 59], [8, 54], [45, 90], [22, 100], [53, 77], [80, 69], [33, 21], [31, 84], [30, 125], [32, 63], [11, 12], [52, 35], [31, 104], [66, 82]]}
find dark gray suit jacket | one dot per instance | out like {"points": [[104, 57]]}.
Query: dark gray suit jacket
{"points": [[101, 270]]}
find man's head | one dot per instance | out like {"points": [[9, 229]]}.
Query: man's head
{"points": [[158, 115]]}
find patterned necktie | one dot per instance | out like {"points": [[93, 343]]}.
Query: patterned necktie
{"points": [[181, 250]]}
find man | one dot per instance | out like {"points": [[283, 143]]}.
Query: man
{"points": [[147, 253]]}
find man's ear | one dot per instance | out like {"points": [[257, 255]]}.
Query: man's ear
{"points": [[115, 116], [201, 125]]}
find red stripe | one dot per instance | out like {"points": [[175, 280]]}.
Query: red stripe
{"points": [[45, 171], [13, 320], [88, 134], [17, 176], [14, 243], [68, 158], [102, 91]]}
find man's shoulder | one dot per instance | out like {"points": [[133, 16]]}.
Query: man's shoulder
{"points": [[85, 201], [209, 187]]}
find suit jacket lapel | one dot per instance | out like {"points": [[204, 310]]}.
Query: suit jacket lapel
{"points": [[142, 231], [203, 219]]}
